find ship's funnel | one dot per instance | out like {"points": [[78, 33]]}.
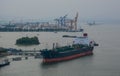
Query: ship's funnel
{"points": [[85, 35]]}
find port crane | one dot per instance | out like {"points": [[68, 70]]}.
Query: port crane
{"points": [[61, 20], [66, 22]]}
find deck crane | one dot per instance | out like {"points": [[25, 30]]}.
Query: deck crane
{"points": [[75, 21]]}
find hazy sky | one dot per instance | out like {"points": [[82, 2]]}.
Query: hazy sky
{"points": [[39, 9]]}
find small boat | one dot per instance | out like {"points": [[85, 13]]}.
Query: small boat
{"points": [[3, 57], [69, 36], [17, 59], [37, 56], [92, 23], [4, 62]]}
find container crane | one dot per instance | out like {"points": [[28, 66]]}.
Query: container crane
{"points": [[61, 21]]}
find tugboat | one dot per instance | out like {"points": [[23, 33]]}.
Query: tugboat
{"points": [[3, 58], [81, 46]]}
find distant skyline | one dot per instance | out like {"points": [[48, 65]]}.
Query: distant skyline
{"points": [[49, 9]]}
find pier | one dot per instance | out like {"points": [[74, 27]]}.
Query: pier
{"points": [[60, 24]]}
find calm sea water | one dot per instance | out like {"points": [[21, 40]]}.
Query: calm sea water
{"points": [[104, 62]]}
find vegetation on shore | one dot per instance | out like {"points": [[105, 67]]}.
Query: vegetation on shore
{"points": [[27, 41]]}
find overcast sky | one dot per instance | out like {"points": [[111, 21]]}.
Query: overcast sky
{"points": [[39, 9]]}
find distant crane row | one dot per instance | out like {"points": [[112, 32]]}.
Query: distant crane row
{"points": [[64, 21]]}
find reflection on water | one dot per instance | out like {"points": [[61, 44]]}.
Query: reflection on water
{"points": [[67, 68]]}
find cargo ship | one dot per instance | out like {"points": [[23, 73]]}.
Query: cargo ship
{"points": [[81, 46]]}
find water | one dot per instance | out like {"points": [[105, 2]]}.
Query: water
{"points": [[104, 62], [8, 39]]}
